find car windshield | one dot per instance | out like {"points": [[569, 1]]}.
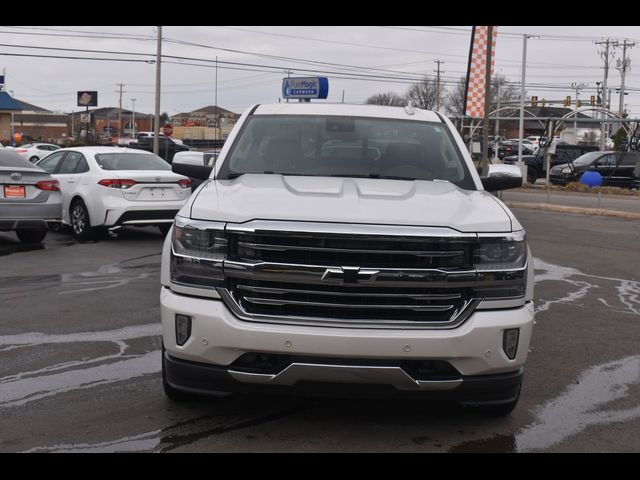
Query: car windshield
{"points": [[587, 159], [131, 161], [342, 146]]}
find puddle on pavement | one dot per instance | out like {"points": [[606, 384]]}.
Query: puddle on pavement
{"points": [[497, 444], [186, 432]]}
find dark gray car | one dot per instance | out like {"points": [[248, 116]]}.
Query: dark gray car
{"points": [[29, 198]]}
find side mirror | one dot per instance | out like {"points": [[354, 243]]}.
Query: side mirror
{"points": [[198, 165], [502, 177]]}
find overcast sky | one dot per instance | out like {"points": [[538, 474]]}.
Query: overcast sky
{"points": [[560, 57]]}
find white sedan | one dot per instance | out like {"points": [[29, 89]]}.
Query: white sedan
{"points": [[35, 152], [107, 188]]}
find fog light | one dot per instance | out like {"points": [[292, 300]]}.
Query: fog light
{"points": [[510, 342], [183, 328]]}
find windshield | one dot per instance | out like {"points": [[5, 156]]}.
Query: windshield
{"points": [[343, 146], [587, 159], [131, 161]]}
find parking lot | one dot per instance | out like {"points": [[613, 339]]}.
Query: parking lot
{"points": [[80, 359]]}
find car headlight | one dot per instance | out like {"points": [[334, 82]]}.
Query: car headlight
{"points": [[501, 265], [566, 170], [198, 250]]}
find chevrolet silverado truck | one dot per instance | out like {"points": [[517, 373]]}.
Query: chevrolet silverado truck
{"points": [[346, 250]]}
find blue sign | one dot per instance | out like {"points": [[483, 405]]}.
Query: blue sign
{"points": [[305, 87]]}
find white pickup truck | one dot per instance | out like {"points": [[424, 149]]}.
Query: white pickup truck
{"points": [[346, 250]]}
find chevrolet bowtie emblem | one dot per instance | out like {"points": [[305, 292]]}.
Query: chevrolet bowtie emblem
{"points": [[350, 274]]}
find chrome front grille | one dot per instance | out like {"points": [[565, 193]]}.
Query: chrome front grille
{"points": [[346, 275], [361, 252]]}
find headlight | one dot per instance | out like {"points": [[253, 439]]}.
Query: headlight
{"points": [[501, 253], [566, 170], [501, 262], [198, 250]]}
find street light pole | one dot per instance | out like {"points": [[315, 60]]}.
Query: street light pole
{"points": [[522, 84], [156, 123], [133, 121]]}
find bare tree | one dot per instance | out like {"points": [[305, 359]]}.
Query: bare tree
{"points": [[389, 98], [509, 95], [424, 94]]}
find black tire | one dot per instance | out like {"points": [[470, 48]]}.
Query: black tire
{"points": [[164, 229], [34, 159], [31, 235], [80, 223], [532, 174]]}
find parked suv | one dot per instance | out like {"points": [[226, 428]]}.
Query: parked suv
{"points": [[305, 265], [618, 169], [167, 147], [535, 163]]}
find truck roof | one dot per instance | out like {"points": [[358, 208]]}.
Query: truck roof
{"points": [[345, 109]]}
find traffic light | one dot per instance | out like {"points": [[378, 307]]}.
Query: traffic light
{"points": [[534, 101], [567, 101], [544, 102], [593, 100], [578, 103]]}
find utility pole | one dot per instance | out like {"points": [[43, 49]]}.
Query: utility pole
{"points": [[133, 121], [606, 56], [120, 109], [578, 87], [438, 72], [623, 66], [487, 100], [215, 101], [156, 123], [495, 146]]}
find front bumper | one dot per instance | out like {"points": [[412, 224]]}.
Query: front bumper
{"points": [[218, 338]]}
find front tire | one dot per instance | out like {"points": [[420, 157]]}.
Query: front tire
{"points": [[80, 222], [532, 175], [31, 235]]}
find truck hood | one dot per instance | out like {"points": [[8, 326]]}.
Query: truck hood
{"points": [[349, 200]]}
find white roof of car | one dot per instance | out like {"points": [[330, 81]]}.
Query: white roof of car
{"points": [[345, 109], [98, 149]]}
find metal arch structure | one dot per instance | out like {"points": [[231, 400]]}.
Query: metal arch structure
{"points": [[574, 113], [495, 112]]}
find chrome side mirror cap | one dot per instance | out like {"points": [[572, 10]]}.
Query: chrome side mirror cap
{"points": [[502, 177]]}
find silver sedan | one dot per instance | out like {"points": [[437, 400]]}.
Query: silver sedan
{"points": [[29, 198]]}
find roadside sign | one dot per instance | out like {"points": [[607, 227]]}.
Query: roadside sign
{"points": [[87, 99], [85, 118], [305, 87], [167, 130]]}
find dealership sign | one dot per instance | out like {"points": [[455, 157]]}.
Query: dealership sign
{"points": [[87, 99], [305, 87]]}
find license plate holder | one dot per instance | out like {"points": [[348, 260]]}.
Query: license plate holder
{"points": [[14, 191]]}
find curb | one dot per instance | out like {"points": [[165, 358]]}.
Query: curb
{"points": [[601, 212]]}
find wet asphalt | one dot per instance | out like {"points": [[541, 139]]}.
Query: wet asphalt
{"points": [[80, 361]]}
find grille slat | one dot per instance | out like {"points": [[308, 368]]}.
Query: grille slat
{"points": [[281, 302], [416, 296]]}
